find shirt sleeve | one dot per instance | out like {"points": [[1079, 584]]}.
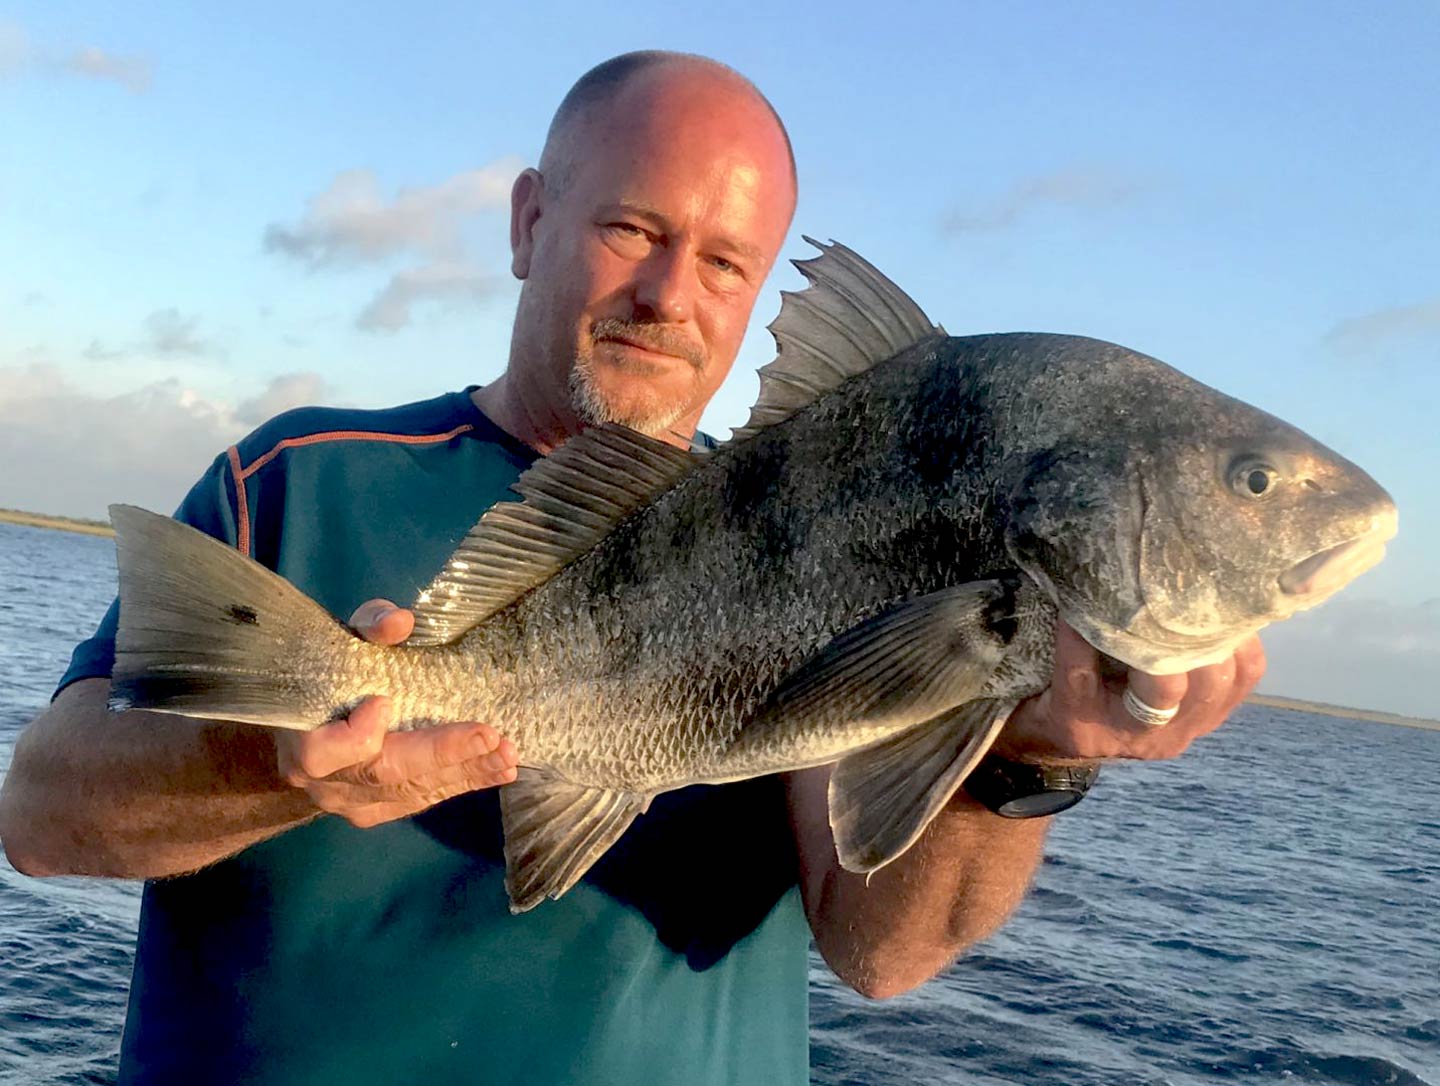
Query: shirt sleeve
{"points": [[210, 506]]}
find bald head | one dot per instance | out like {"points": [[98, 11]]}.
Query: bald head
{"points": [[661, 203], [602, 89]]}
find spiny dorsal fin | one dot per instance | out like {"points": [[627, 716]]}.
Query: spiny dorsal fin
{"points": [[850, 318], [573, 498]]}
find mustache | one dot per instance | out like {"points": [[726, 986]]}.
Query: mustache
{"points": [[653, 337]]}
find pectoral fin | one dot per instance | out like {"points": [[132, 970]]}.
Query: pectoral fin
{"points": [[883, 797], [555, 831], [904, 665]]}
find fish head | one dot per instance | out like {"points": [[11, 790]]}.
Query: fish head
{"points": [[1170, 542]]}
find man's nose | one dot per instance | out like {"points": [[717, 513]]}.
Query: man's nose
{"points": [[665, 287]]}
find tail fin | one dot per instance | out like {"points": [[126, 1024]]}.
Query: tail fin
{"points": [[205, 631]]}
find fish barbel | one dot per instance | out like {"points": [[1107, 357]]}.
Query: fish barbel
{"points": [[868, 573]]}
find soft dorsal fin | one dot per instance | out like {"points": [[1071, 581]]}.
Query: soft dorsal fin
{"points": [[573, 498], [847, 320]]}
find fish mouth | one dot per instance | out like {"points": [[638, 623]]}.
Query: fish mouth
{"points": [[1330, 569]]}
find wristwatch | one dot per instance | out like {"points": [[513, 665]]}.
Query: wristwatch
{"points": [[1029, 789]]}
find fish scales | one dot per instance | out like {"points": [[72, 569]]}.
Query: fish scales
{"points": [[869, 573], [700, 634]]}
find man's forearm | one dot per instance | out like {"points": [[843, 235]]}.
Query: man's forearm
{"points": [[138, 795], [955, 886]]}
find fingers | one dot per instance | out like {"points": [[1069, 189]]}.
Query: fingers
{"points": [[1203, 699], [411, 755], [1083, 714], [354, 768], [306, 756], [1076, 687], [365, 804], [381, 622], [1249, 670], [358, 769], [1158, 691]]}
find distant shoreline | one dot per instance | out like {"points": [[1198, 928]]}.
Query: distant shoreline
{"points": [[61, 524], [1270, 701]]}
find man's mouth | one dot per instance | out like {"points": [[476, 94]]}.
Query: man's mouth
{"points": [[654, 339]]}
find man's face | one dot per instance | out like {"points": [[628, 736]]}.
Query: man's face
{"points": [[641, 271]]}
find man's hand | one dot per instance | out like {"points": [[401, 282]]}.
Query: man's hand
{"points": [[357, 769], [1081, 715]]}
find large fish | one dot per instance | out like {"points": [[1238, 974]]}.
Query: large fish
{"points": [[868, 572]]}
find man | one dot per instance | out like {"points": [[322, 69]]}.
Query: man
{"points": [[375, 946]]}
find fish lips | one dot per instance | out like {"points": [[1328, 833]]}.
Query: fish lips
{"points": [[1326, 571]]}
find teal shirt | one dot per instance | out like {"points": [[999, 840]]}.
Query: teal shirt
{"points": [[331, 954]]}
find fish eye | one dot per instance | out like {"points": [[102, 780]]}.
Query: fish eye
{"points": [[1251, 478]]}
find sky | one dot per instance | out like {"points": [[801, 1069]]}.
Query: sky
{"points": [[211, 212]]}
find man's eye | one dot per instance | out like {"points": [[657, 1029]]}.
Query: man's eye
{"points": [[719, 263], [629, 229]]}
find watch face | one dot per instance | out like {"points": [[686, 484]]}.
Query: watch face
{"points": [[1040, 804], [1029, 790]]}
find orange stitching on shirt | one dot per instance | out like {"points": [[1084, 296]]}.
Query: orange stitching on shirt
{"points": [[242, 511], [242, 508], [352, 435]]}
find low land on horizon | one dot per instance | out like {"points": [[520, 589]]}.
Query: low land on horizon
{"points": [[63, 524], [1323, 708]]}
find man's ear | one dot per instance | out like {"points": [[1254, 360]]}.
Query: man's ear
{"points": [[527, 199]]}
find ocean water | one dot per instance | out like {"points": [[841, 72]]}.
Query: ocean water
{"points": [[1263, 910]]}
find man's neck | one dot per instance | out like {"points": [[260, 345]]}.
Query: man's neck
{"points": [[544, 429]]}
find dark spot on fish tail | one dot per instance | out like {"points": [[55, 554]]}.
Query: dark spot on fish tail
{"points": [[242, 615]]}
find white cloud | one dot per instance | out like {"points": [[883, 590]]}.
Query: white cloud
{"points": [[1066, 188], [166, 334], [1361, 653], [352, 222], [281, 394], [170, 334], [1360, 335], [19, 56], [390, 309], [132, 73], [70, 451], [99, 352]]}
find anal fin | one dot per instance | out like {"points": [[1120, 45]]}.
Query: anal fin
{"points": [[555, 831], [883, 797]]}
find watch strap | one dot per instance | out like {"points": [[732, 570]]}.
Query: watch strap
{"points": [[1029, 789]]}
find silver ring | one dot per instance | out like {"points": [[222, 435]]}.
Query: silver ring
{"points": [[1148, 715]]}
